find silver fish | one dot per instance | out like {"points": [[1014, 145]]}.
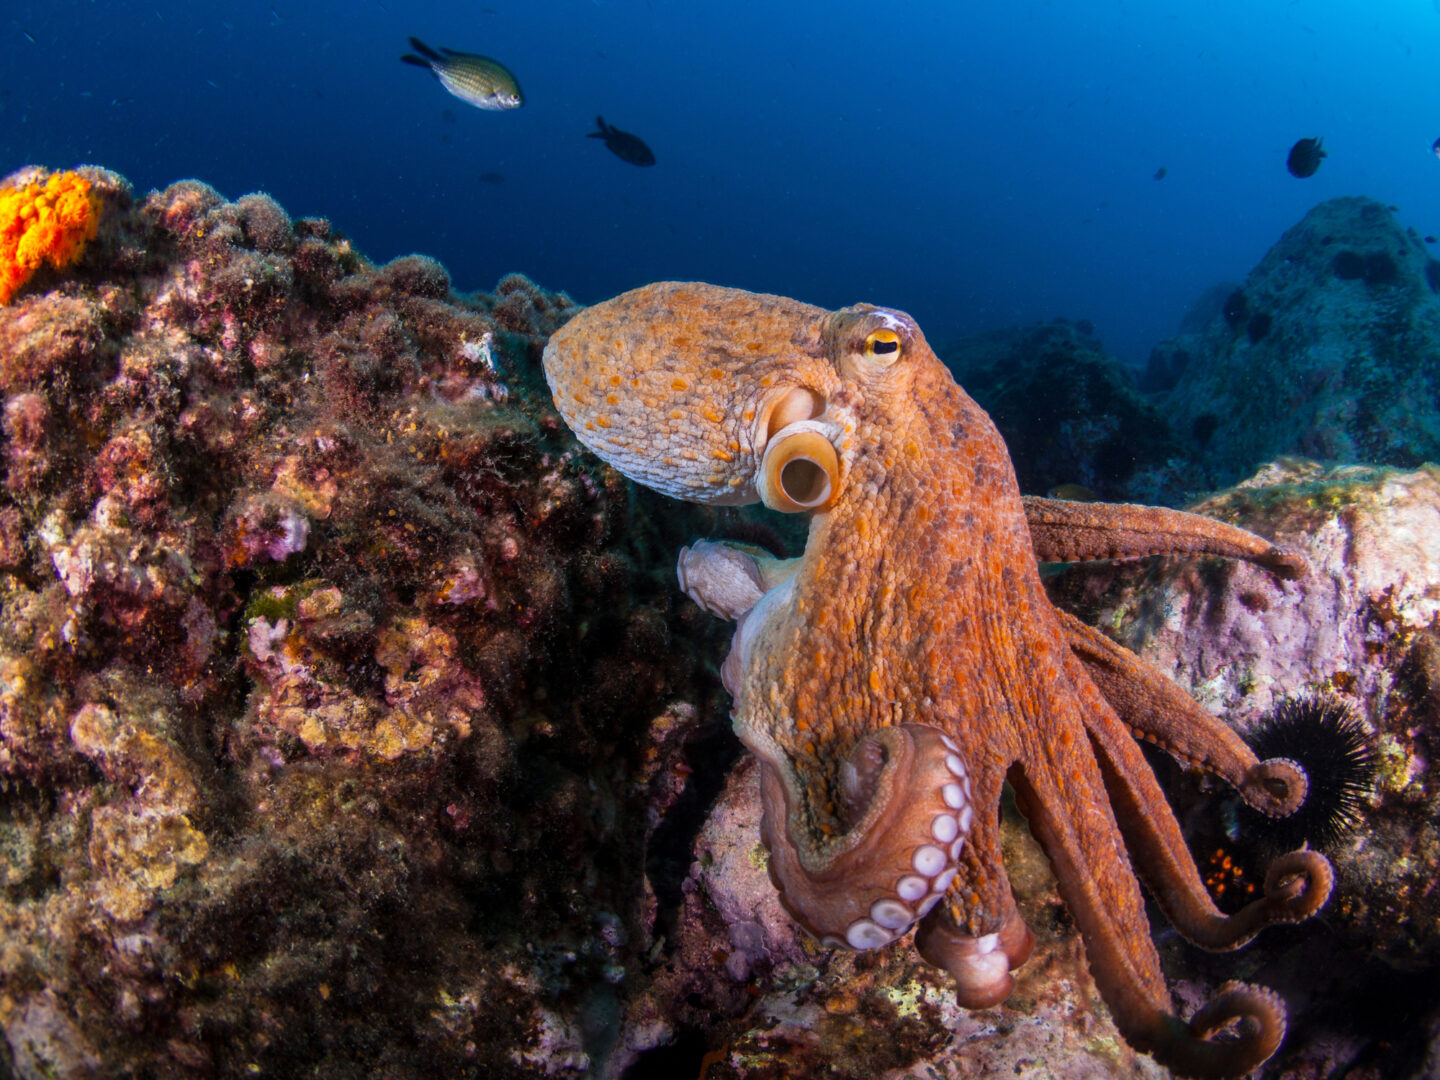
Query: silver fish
{"points": [[475, 80]]}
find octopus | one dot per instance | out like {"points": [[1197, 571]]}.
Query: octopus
{"points": [[897, 675]]}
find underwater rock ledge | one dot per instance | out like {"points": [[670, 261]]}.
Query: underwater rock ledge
{"points": [[340, 694]]}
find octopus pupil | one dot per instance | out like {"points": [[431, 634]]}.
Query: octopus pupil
{"points": [[885, 346]]}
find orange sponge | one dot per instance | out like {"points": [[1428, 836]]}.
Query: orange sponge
{"points": [[41, 223]]}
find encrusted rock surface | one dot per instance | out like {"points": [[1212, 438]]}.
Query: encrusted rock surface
{"points": [[340, 695], [1363, 628]]}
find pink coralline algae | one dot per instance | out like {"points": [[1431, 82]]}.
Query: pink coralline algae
{"points": [[327, 665]]}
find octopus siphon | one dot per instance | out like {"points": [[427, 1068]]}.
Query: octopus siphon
{"points": [[896, 675]]}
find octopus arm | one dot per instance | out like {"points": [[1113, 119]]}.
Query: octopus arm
{"points": [[1158, 711], [976, 933], [1099, 888], [1064, 531], [1296, 885], [728, 578], [911, 797]]}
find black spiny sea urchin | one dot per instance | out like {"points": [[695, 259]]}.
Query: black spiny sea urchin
{"points": [[1325, 737]]}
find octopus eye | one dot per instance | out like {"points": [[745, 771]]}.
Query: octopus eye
{"points": [[883, 346]]}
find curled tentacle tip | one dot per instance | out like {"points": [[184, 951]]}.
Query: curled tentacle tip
{"points": [[1276, 787], [984, 993], [721, 578], [906, 805], [980, 965], [1325, 736], [1297, 885], [1286, 563], [1235, 1031]]}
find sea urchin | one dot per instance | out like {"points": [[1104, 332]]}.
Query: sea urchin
{"points": [[1325, 737]]}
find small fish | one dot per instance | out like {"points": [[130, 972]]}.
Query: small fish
{"points": [[1304, 158], [492, 177], [622, 144], [1432, 240], [475, 80], [1434, 147], [1161, 173], [1072, 493]]}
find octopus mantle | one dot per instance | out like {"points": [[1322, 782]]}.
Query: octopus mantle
{"points": [[895, 676]]}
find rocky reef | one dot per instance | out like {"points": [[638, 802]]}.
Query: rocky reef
{"points": [[351, 723], [1072, 414], [1329, 349], [340, 694]]}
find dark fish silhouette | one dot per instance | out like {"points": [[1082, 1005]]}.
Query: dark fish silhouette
{"points": [[622, 144], [1161, 172], [1435, 148], [475, 80], [1431, 240], [492, 178], [1304, 158], [1072, 493]]}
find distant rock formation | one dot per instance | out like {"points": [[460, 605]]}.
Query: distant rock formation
{"points": [[1330, 349], [1070, 412]]}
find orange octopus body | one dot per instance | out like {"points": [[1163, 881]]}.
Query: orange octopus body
{"points": [[896, 675]]}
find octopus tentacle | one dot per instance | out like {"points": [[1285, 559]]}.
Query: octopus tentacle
{"points": [[1296, 886], [980, 964], [908, 795], [1158, 711], [727, 578], [1259, 1016], [1065, 531], [977, 934], [1105, 902]]}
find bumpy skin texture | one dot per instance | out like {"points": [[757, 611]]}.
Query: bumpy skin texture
{"points": [[892, 678]]}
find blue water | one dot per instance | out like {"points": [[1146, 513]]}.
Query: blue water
{"points": [[976, 165]]}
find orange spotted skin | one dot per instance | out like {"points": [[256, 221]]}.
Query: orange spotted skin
{"points": [[669, 397], [919, 602]]}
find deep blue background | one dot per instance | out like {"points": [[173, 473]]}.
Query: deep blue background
{"points": [[976, 165]]}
